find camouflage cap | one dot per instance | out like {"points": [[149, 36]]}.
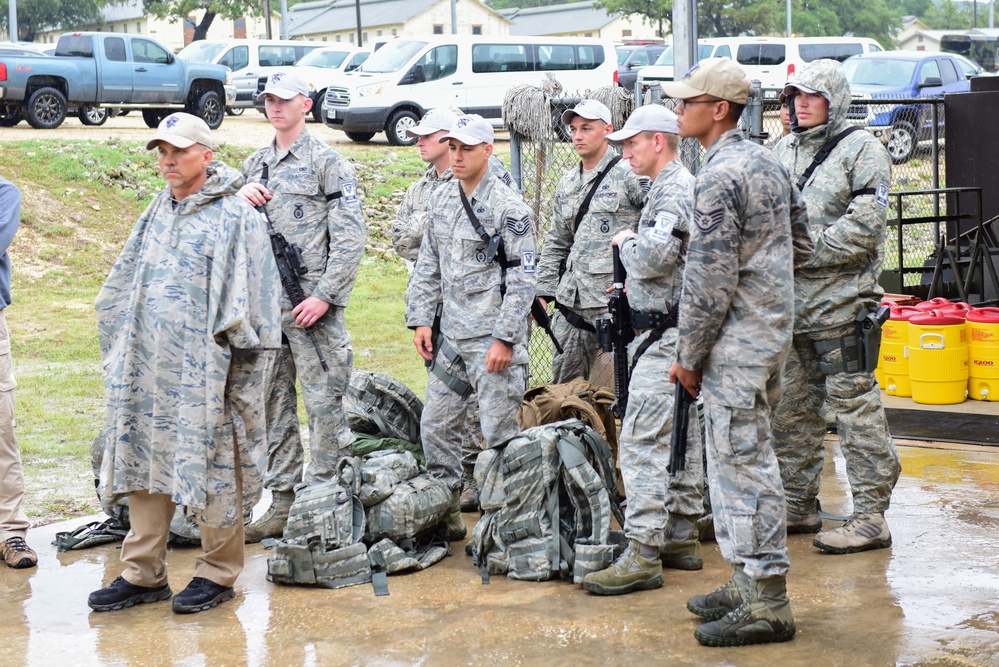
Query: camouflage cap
{"points": [[181, 130], [718, 77]]}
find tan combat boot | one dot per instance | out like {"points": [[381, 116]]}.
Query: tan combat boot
{"points": [[722, 600], [454, 523], [763, 617], [272, 523], [682, 550], [629, 573]]}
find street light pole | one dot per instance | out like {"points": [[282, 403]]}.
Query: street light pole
{"points": [[788, 18], [12, 23]]}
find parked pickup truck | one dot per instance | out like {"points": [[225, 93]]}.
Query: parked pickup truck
{"points": [[98, 70]]}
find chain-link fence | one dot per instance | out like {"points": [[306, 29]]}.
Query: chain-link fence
{"points": [[911, 130]]}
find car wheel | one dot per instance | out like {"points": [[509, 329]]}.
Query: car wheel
{"points": [[901, 142], [210, 108], [93, 115], [317, 106], [10, 115], [46, 109], [360, 137], [152, 117], [398, 125], [234, 111]]}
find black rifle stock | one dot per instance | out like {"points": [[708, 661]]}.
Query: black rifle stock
{"points": [[290, 266], [540, 315], [615, 333], [681, 426]]}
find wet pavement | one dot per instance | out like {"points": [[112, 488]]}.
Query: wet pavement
{"points": [[932, 599]]}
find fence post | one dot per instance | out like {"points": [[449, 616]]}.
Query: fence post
{"points": [[516, 155], [753, 114]]}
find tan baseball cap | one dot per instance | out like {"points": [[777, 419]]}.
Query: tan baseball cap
{"points": [[718, 77], [181, 130]]}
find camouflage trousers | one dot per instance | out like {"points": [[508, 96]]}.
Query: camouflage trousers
{"points": [[322, 392], [581, 356], [746, 492], [872, 463], [646, 434], [444, 422]]}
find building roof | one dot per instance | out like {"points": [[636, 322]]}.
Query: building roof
{"points": [[324, 16], [558, 19]]}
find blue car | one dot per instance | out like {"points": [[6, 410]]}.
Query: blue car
{"points": [[902, 75]]}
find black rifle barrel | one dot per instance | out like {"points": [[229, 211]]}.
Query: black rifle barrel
{"points": [[681, 427]]}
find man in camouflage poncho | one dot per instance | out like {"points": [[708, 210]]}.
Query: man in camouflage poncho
{"points": [[748, 230], [188, 318], [661, 516], [485, 303], [847, 199], [311, 198], [575, 268]]}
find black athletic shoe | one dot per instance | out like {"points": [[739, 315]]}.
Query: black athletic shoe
{"points": [[122, 595], [200, 595]]}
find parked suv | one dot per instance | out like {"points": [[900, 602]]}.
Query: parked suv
{"points": [[902, 75], [633, 57]]}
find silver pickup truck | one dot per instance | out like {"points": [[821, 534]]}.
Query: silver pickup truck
{"points": [[96, 72]]}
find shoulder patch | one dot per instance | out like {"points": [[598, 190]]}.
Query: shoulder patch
{"points": [[349, 189], [881, 194], [706, 222], [645, 183], [527, 261], [519, 227], [662, 227]]}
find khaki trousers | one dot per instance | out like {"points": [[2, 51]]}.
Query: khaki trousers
{"points": [[145, 547], [13, 522]]}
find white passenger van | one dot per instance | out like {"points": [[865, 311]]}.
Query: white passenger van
{"points": [[399, 82], [770, 60], [249, 59]]}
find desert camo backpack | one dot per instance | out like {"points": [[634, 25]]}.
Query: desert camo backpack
{"points": [[547, 498], [321, 545], [379, 405]]}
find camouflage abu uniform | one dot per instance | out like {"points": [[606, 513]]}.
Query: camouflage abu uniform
{"points": [[452, 266], [411, 218], [847, 198], [314, 206], [407, 235], [736, 316], [184, 381], [585, 253], [654, 261]]}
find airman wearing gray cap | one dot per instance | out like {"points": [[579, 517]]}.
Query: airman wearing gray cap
{"points": [[661, 528], [748, 233], [575, 267]]}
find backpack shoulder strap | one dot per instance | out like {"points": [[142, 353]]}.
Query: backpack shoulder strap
{"points": [[824, 152]]}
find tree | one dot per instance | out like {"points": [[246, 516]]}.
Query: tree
{"points": [[731, 18], [861, 18], [184, 9], [658, 12], [35, 15], [948, 15]]}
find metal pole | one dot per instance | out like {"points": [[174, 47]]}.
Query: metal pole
{"points": [[267, 18], [684, 57], [753, 114], [12, 22], [357, 9], [992, 6], [454, 17], [935, 161], [788, 12], [284, 20]]}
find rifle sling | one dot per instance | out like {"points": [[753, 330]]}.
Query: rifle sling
{"points": [[655, 335], [574, 318], [824, 152]]}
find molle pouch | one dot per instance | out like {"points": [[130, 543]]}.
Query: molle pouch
{"points": [[870, 335], [591, 558], [494, 245]]}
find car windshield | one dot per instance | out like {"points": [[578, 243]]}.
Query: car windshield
{"points": [[666, 57], [622, 54], [200, 52], [322, 58], [392, 57], [881, 72]]}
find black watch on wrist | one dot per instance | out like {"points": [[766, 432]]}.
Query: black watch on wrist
{"points": [[506, 342]]}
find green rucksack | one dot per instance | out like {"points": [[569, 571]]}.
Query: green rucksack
{"points": [[547, 498], [379, 405]]}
